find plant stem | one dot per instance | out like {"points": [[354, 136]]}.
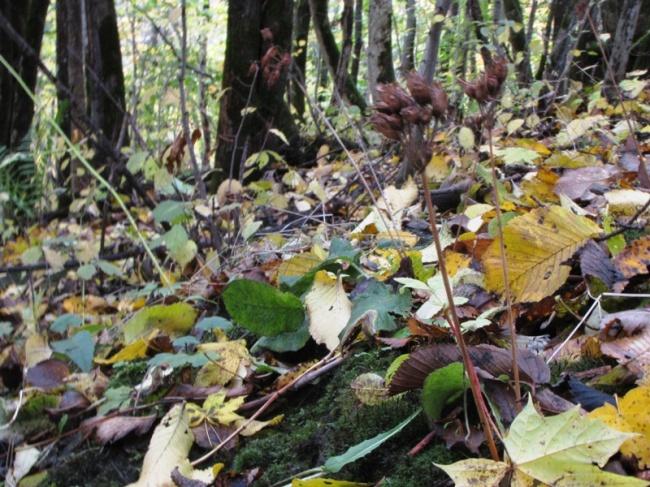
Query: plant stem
{"points": [[506, 272], [474, 383]]}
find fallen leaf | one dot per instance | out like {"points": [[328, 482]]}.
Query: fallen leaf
{"points": [[47, 374], [174, 319], [631, 414], [537, 244], [328, 309], [632, 261]]}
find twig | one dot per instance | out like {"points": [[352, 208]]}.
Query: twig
{"points": [[474, 383], [504, 266]]}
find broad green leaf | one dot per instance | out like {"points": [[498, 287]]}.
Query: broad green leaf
{"points": [[181, 248], [261, 308], [79, 348], [180, 359], [86, 272], [108, 268], [212, 322], [386, 303], [115, 398], [441, 387], [354, 453], [174, 319], [291, 341]]}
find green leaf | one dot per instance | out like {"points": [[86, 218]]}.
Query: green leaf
{"points": [[441, 387], [380, 298], [79, 348], [517, 155], [176, 360], [86, 272], [181, 248], [291, 341], [342, 249], [114, 398], [354, 453], [108, 268], [261, 308], [174, 319], [63, 322], [170, 211], [212, 322]]}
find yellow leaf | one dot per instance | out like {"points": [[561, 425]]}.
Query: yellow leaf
{"points": [[173, 319], [328, 308], [133, 351], [233, 356], [36, 350], [298, 265], [536, 246], [631, 416], [476, 471], [456, 261]]}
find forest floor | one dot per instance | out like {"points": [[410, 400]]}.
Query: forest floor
{"points": [[317, 342]]}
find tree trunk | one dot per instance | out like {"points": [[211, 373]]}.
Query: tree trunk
{"points": [[28, 19], [408, 53], [380, 53], [301, 21], [476, 15], [330, 52], [625, 29], [347, 26], [428, 68], [358, 41], [106, 79], [253, 81], [513, 12]]}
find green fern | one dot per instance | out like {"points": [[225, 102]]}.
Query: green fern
{"points": [[20, 187]]}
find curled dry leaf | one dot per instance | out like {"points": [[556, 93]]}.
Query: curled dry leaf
{"points": [[632, 261]]}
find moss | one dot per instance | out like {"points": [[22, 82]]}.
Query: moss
{"points": [[128, 373], [326, 419], [560, 367]]}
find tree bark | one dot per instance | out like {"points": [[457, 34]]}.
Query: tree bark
{"points": [[408, 53], [330, 52], [246, 86], [358, 41], [520, 48], [428, 68], [476, 16], [301, 21], [380, 53], [625, 29], [347, 26], [28, 19]]}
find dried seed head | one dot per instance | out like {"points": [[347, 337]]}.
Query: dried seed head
{"points": [[439, 102], [390, 126], [418, 88]]}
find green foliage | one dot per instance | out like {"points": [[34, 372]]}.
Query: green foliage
{"points": [[20, 187], [261, 308], [442, 387], [382, 300], [80, 348]]}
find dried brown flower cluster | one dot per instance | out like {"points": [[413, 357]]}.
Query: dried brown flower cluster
{"points": [[274, 61], [396, 109], [487, 86], [406, 116]]}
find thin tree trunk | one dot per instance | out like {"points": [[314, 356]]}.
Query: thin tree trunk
{"points": [[247, 84], [476, 15], [358, 41], [203, 95], [428, 68], [380, 53], [408, 53], [105, 82], [301, 23], [627, 22], [347, 26], [546, 42], [520, 48], [28, 19], [330, 52]]}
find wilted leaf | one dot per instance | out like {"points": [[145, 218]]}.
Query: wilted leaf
{"points": [[575, 183], [113, 429], [233, 359], [261, 308], [389, 209], [369, 388], [625, 336], [328, 309], [174, 319], [537, 244], [632, 415]]}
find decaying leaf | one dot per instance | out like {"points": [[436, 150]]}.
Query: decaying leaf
{"points": [[563, 450], [369, 388], [625, 336], [634, 260], [328, 308], [174, 319], [537, 244], [632, 415]]}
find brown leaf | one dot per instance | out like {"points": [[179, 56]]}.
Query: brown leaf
{"points": [[112, 429], [71, 402], [634, 260], [626, 337], [493, 360], [595, 262], [47, 374], [575, 183]]}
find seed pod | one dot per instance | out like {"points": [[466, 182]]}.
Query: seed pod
{"points": [[499, 69], [388, 125], [388, 100], [418, 88]]}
